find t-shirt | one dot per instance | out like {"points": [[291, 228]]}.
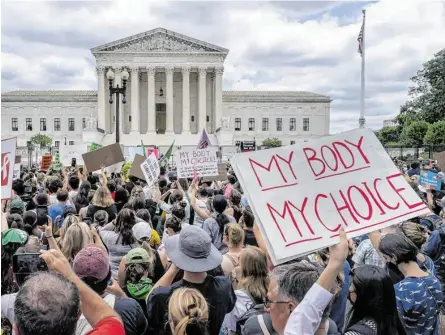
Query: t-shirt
{"points": [[56, 210], [217, 290], [249, 238], [242, 305], [418, 304], [8, 306], [212, 228], [252, 325], [198, 221], [132, 315], [108, 326]]}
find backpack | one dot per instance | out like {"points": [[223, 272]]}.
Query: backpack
{"points": [[232, 275], [253, 310], [83, 326]]}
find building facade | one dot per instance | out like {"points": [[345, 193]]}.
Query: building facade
{"points": [[173, 91]]}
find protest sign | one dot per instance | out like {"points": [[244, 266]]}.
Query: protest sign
{"points": [[153, 150], [204, 161], [136, 170], [106, 156], [301, 195], [440, 157], [222, 174], [17, 167], [8, 162], [150, 169], [133, 151], [46, 162], [430, 178]]}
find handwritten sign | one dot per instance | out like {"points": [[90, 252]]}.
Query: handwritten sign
{"points": [[430, 178], [153, 150], [7, 166], [46, 162], [150, 168], [303, 194], [105, 156], [204, 161]]}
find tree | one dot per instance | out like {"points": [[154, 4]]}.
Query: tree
{"points": [[436, 133], [415, 132], [428, 93], [272, 142], [42, 140], [388, 134]]}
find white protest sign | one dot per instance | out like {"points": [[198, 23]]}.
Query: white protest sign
{"points": [[16, 172], [132, 151], [150, 169], [204, 161], [303, 194], [8, 162]]}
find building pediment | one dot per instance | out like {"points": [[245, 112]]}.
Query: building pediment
{"points": [[159, 40]]}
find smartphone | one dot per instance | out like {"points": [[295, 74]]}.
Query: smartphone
{"points": [[42, 211], [28, 263]]}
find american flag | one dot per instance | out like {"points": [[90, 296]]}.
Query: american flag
{"points": [[204, 140], [360, 41]]}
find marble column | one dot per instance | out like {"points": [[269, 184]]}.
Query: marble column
{"points": [[169, 87], [185, 100], [218, 96], [202, 110], [134, 72], [117, 81], [151, 110], [101, 107]]}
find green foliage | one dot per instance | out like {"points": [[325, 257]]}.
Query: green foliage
{"points": [[272, 142], [41, 140], [436, 133], [388, 134], [414, 133], [428, 93]]}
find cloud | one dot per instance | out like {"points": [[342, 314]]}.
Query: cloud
{"points": [[273, 45]]}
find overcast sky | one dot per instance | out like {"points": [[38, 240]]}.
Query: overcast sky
{"points": [[308, 46]]}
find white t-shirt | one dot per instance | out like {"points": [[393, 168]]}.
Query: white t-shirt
{"points": [[197, 220], [243, 303], [8, 306]]}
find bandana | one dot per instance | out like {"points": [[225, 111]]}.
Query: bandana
{"points": [[14, 236], [141, 289]]}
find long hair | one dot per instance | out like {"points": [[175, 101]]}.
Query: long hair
{"points": [[188, 312], [220, 205], [254, 272], [69, 220], [376, 300], [102, 197], [81, 199], [15, 221], [29, 221], [125, 220], [77, 237]]}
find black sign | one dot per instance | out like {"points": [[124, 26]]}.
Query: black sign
{"points": [[248, 146]]}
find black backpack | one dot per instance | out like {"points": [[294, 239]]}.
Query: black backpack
{"points": [[253, 309]]}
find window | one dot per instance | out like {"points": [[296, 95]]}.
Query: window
{"points": [[251, 124], [279, 124], [129, 118], [292, 124], [42, 124], [192, 118], [57, 144], [71, 124], [15, 124], [292, 142], [84, 123], [265, 124], [71, 142], [238, 143], [28, 124], [208, 118], [237, 124], [306, 124], [57, 124], [161, 107]]}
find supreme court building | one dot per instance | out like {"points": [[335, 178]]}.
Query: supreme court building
{"points": [[174, 90]]}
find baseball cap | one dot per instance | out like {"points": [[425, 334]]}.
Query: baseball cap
{"points": [[17, 206], [14, 235], [137, 256], [92, 261], [141, 231]]}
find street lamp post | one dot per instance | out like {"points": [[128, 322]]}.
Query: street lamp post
{"points": [[117, 90]]}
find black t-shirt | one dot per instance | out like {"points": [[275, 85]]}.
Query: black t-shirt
{"points": [[132, 315], [111, 211], [249, 238], [217, 290]]}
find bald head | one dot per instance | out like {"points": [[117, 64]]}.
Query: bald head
{"points": [[47, 304]]}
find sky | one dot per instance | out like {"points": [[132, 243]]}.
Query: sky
{"points": [[295, 45]]}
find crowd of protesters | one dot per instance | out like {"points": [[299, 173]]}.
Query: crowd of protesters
{"points": [[181, 257]]}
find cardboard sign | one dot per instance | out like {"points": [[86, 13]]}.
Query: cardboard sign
{"points": [[430, 178], [7, 166], [440, 157], [152, 150], [46, 162], [222, 174], [150, 169], [136, 167], [106, 156], [248, 146], [303, 194], [18, 159], [204, 161]]}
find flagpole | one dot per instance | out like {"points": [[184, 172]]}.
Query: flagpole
{"points": [[362, 119]]}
